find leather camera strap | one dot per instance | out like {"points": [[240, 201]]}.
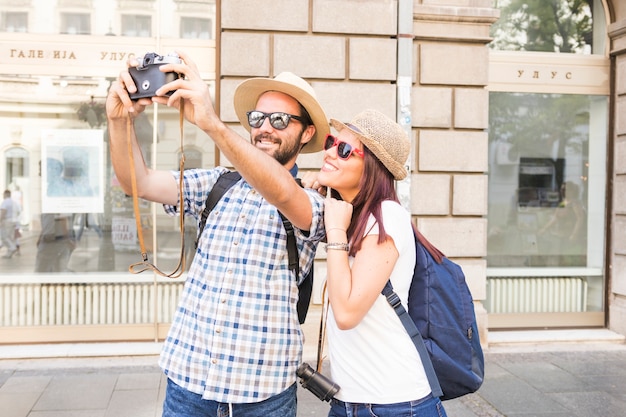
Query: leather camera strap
{"points": [[144, 265], [322, 336]]}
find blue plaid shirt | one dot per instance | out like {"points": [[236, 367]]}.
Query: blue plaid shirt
{"points": [[235, 336]]}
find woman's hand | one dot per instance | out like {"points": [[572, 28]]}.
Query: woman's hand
{"points": [[337, 214]]}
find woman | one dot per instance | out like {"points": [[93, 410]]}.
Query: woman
{"points": [[370, 240]]}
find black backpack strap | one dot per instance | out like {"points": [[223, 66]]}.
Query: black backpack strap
{"points": [[292, 248], [223, 183], [305, 288]]}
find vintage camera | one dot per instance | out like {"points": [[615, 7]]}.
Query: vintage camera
{"points": [[148, 77], [318, 384]]}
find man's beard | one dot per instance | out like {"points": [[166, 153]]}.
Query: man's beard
{"points": [[284, 154]]}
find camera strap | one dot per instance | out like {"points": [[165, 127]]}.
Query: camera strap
{"points": [[322, 335], [145, 265]]}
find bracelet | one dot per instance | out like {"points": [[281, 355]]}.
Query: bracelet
{"points": [[335, 228], [338, 246]]}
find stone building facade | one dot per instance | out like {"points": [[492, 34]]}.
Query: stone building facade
{"points": [[428, 63]]}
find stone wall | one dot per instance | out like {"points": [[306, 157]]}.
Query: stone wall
{"points": [[349, 51], [450, 108], [617, 147]]}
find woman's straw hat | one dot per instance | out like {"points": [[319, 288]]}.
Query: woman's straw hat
{"points": [[383, 137], [248, 92]]}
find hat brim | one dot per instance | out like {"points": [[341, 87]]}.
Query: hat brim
{"points": [[397, 170], [248, 92]]}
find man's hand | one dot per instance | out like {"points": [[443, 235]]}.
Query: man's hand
{"points": [[198, 107], [118, 103], [309, 180]]}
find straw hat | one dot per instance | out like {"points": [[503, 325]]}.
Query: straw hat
{"points": [[248, 92], [383, 137]]}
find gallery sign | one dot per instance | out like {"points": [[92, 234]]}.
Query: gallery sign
{"points": [[90, 55]]}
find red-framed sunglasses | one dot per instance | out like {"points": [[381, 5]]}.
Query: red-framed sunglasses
{"points": [[344, 150]]}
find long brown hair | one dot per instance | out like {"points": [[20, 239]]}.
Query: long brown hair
{"points": [[376, 186]]}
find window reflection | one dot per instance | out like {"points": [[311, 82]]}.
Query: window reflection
{"points": [[180, 19], [539, 188], [565, 26], [136, 25], [59, 232], [195, 28], [14, 22], [75, 23]]}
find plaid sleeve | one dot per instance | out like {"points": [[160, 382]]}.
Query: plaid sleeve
{"points": [[197, 184]]}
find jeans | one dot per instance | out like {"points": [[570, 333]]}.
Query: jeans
{"points": [[182, 403], [425, 407]]}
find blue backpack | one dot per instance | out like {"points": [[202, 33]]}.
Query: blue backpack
{"points": [[441, 322]]}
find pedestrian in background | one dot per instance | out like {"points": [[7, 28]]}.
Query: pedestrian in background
{"points": [[9, 212]]}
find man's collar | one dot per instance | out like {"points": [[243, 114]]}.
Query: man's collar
{"points": [[294, 170]]}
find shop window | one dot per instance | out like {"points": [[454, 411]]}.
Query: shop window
{"points": [[195, 28], [542, 204], [548, 130], [14, 22], [136, 25], [563, 26], [546, 206], [76, 23], [77, 242]]}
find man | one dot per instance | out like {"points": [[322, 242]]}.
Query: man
{"points": [[9, 215], [235, 341]]}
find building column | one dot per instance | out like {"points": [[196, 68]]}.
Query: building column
{"points": [[450, 117], [616, 266]]}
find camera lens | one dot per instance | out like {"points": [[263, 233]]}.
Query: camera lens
{"points": [[322, 387], [305, 371]]}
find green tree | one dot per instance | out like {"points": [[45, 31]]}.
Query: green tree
{"points": [[543, 25]]}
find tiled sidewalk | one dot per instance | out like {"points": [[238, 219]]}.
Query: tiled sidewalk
{"points": [[579, 373], [574, 380]]}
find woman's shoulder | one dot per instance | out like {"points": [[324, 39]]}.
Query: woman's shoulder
{"points": [[395, 216], [394, 208]]}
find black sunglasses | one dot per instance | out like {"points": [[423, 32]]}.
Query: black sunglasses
{"points": [[278, 120], [344, 150]]}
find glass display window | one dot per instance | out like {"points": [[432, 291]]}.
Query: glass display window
{"points": [[548, 132], [78, 234]]}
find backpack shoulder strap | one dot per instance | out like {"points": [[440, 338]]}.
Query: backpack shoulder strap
{"points": [[292, 247], [394, 301], [416, 337], [305, 288], [223, 183]]}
